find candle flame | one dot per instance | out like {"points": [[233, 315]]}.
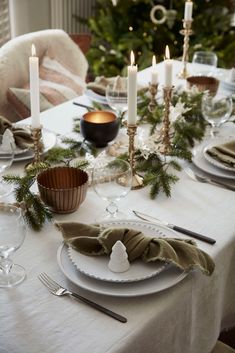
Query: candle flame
{"points": [[167, 53], [154, 61], [132, 58], [33, 50]]}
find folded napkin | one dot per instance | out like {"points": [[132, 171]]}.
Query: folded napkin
{"points": [[101, 82], [22, 136], [224, 153], [95, 240]]}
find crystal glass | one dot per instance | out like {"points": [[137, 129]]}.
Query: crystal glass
{"points": [[6, 159], [117, 96], [205, 58], [112, 180], [12, 234], [216, 110]]}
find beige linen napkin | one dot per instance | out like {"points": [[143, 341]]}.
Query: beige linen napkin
{"points": [[93, 240], [23, 138], [224, 153]]}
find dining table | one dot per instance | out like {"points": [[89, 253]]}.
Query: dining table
{"points": [[185, 316]]}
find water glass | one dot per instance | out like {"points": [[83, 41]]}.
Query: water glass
{"points": [[6, 159], [117, 96]]}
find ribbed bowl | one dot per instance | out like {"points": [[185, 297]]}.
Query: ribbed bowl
{"points": [[203, 83], [63, 189]]}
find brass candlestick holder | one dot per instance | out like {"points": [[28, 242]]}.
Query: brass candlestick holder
{"points": [[137, 180], [165, 131], [37, 146], [153, 88], [186, 32]]}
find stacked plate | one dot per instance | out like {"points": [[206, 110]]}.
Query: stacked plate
{"points": [[92, 273], [49, 141], [210, 165]]}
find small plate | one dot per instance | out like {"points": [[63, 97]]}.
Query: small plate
{"points": [[214, 161], [200, 161], [96, 97]]}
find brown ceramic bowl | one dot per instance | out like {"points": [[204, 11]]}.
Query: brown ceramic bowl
{"points": [[63, 189], [203, 83], [99, 127]]}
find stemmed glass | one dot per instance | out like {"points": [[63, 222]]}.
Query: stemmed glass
{"points": [[216, 110], [12, 234], [205, 58], [6, 159], [112, 180], [117, 96]]}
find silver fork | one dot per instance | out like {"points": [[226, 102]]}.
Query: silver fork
{"points": [[58, 290], [202, 179]]}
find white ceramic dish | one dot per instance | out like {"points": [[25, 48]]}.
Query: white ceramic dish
{"points": [[166, 279], [49, 141], [97, 266], [214, 161], [95, 97], [200, 161]]}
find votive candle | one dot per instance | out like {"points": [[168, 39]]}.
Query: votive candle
{"points": [[132, 91], [34, 88]]}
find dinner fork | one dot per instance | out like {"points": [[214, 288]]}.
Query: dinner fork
{"points": [[203, 179], [58, 290]]}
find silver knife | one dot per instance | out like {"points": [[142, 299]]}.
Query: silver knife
{"points": [[148, 218]]}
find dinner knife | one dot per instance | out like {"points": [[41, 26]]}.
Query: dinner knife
{"points": [[84, 106], [148, 218]]}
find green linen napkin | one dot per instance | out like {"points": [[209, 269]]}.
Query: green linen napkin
{"points": [[101, 82], [23, 138], [224, 153], [95, 240]]}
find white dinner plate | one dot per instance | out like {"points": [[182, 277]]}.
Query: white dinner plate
{"points": [[97, 266], [214, 161], [200, 161], [49, 141], [95, 97], [166, 279]]}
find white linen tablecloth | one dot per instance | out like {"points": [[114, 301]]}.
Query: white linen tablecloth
{"points": [[186, 318]]}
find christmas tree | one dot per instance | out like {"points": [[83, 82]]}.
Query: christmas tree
{"points": [[120, 26]]}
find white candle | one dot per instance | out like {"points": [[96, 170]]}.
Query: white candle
{"points": [[188, 10], [168, 68], [132, 91], [34, 89], [154, 74]]}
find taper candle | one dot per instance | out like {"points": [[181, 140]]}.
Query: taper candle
{"points": [[132, 91], [188, 10], [168, 68], [154, 74], [34, 88]]}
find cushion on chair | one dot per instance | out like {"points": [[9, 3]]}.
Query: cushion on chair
{"points": [[57, 85]]}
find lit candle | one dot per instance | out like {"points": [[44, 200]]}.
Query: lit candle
{"points": [[168, 68], [154, 74], [188, 10], [34, 89], [132, 91]]}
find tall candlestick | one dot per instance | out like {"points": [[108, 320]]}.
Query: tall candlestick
{"points": [[188, 10], [154, 74], [34, 89], [132, 91], [168, 68]]}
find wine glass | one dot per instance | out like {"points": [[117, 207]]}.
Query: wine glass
{"points": [[6, 159], [216, 110], [205, 58], [12, 234], [116, 96], [112, 180]]}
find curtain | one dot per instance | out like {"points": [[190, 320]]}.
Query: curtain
{"points": [[5, 32]]}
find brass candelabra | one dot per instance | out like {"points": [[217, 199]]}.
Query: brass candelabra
{"points": [[165, 131], [153, 88], [137, 180], [186, 32]]}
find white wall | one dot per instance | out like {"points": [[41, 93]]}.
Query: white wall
{"points": [[29, 16]]}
